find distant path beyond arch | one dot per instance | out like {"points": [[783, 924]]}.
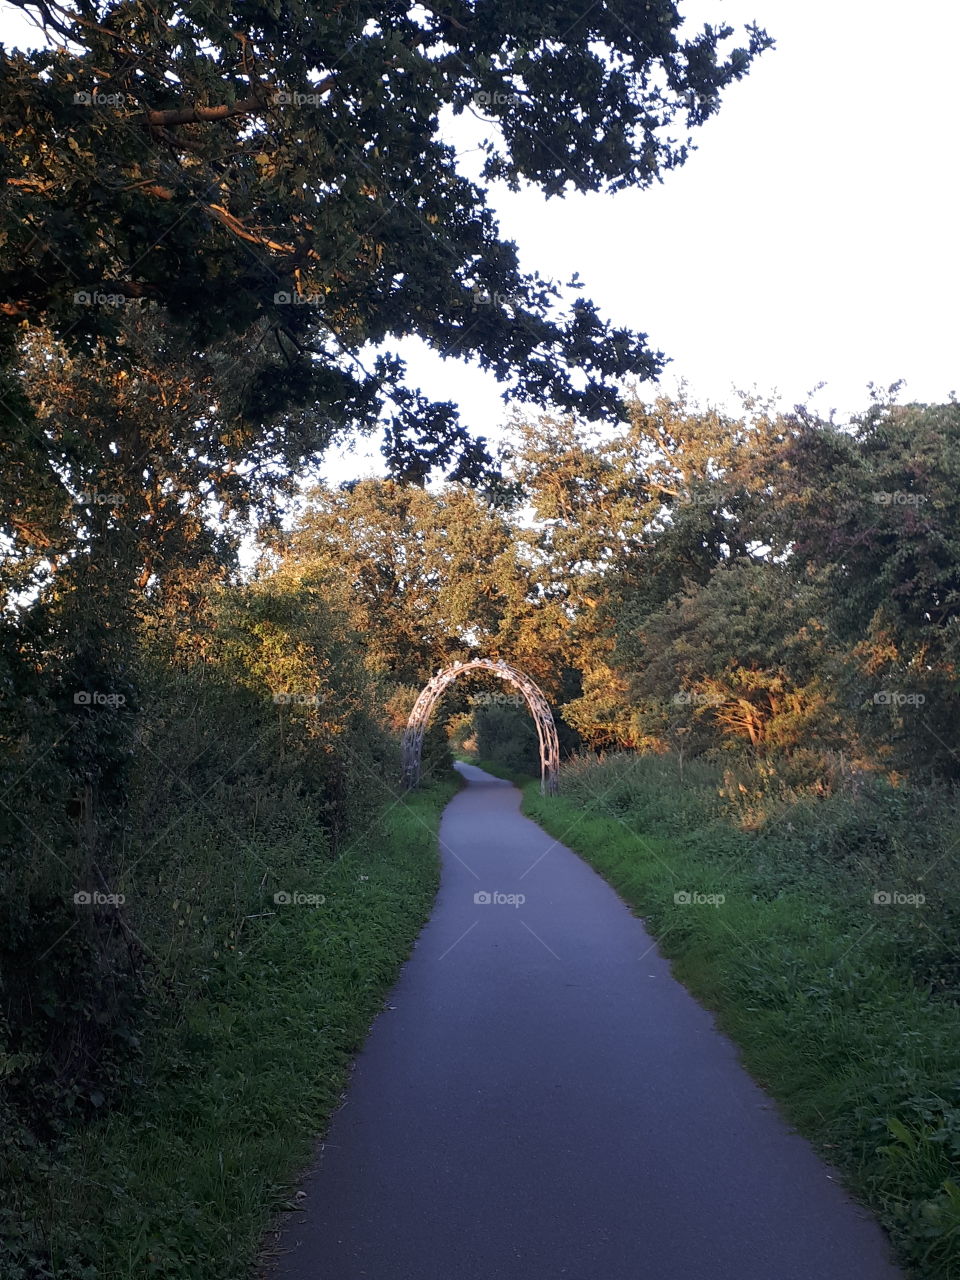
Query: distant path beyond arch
{"points": [[432, 692]]}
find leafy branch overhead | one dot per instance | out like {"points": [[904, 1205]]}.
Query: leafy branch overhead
{"points": [[284, 164]]}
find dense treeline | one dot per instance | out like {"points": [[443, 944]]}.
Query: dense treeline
{"points": [[773, 584], [257, 745]]}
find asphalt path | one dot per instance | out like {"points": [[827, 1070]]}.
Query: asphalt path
{"points": [[541, 1099]]}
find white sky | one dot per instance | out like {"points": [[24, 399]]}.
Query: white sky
{"points": [[811, 237]]}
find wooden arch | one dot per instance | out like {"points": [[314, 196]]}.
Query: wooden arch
{"points": [[431, 694]]}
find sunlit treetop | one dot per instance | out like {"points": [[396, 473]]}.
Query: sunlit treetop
{"points": [[279, 169]]}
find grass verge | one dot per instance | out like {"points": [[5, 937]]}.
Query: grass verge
{"points": [[182, 1181], [828, 995]]}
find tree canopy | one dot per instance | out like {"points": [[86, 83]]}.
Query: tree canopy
{"points": [[279, 174]]}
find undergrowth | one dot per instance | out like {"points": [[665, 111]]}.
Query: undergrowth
{"points": [[180, 1179]]}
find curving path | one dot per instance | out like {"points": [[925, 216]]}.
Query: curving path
{"points": [[542, 1100]]}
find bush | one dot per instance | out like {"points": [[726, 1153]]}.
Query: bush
{"points": [[506, 735], [257, 752]]}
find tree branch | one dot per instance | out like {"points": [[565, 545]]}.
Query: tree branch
{"points": [[226, 111], [193, 115]]}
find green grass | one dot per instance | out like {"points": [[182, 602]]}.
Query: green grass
{"points": [[182, 1180], [840, 1007]]}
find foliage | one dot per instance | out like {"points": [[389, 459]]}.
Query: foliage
{"points": [[693, 582], [745, 653], [407, 560], [276, 1010], [279, 177], [255, 747], [506, 735], [773, 581]]}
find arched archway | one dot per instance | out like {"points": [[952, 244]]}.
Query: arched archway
{"points": [[432, 692]]}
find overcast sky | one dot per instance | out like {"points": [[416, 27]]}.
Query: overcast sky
{"points": [[811, 237]]}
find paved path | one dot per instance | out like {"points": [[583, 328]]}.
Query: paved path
{"points": [[543, 1101]]}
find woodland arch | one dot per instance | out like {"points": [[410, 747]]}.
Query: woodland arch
{"points": [[538, 706]]}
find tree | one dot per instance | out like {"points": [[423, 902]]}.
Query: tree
{"points": [[875, 513], [800, 582], [149, 457], [281, 173], [622, 521], [743, 657], [427, 578]]}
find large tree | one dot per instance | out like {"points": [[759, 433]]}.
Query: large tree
{"points": [[280, 171], [622, 520], [427, 577], [874, 512]]}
